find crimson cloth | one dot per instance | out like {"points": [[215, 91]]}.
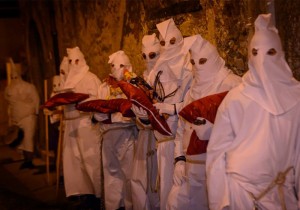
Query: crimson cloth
{"points": [[140, 99], [207, 108], [64, 99], [107, 106]]}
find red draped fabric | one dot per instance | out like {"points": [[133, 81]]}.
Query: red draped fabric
{"points": [[207, 108], [64, 99], [140, 99]]}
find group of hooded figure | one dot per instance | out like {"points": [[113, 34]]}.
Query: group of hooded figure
{"points": [[246, 158]]}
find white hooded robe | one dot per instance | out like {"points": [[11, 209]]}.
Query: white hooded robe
{"points": [[81, 148], [144, 173], [210, 78], [23, 100], [175, 78], [256, 133], [118, 139]]}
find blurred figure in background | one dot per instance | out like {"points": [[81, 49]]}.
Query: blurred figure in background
{"points": [[54, 116], [23, 100]]}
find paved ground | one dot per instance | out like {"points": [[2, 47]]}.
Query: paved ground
{"points": [[28, 189]]}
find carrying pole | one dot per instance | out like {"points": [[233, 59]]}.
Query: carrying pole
{"points": [[47, 134], [59, 151]]}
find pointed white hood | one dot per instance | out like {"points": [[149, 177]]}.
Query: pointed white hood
{"points": [[15, 74], [269, 81], [167, 31], [209, 74], [77, 67], [119, 62], [173, 60], [150, 46]]}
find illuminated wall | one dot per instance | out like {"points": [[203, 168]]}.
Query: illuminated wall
{"points": [[101, 27]]}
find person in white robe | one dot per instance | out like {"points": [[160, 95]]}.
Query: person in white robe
{"points": [[54, 117], [253, 157], [144, 172], [81, 146], [170, 79], [57, 87], [210, 76], [23, 102], [118, 137]]}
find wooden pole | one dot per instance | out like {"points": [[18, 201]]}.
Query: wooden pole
{"points": [[47, 134], [59, 151]]}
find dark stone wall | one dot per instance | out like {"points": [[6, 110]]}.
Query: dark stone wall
{"points": [[12, 44], [94, 26], [288, 24], [101, 27], [38, 63], [142, 17], [232, 28]]}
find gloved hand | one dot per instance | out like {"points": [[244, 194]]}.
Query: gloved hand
{"points": [[203, 131], [101, 116], [165, 108], [139, 112], [179, 173]]}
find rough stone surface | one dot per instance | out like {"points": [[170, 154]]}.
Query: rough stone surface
{"points": [[101, 27], [288, 24]]}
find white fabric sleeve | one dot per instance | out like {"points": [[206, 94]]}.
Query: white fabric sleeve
{"points": [[92, 88], [103, 91], [101, 116], [178, 150], [221, 138], [165, 108], [179, 173], [117, 117], [178, 107]]}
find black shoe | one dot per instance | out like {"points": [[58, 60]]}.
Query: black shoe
{"points": [[27, 164]]}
